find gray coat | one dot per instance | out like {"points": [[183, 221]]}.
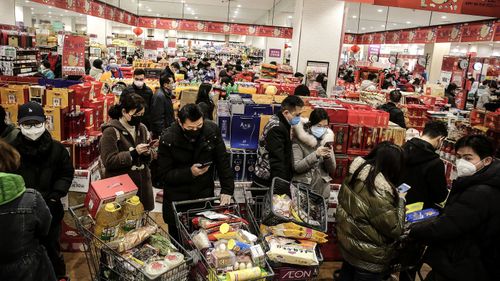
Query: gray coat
{"points": [[307, 167]]}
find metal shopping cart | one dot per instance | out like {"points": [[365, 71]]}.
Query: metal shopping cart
{"points": [[202, 269], [105, 264], [256, 204]]}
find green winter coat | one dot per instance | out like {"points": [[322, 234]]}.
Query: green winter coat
{"points": [[368, 225]]}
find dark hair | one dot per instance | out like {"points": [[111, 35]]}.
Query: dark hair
{"points": [[111, 58], [302, 90], [451, 87], [493, 84], [290, 103], [486, 82], [46, 63], [386, 158], [298, 75], [204, 93], [97, 63], [273, 63], [139, 71], [320, 78], [190, 111], [481, 145], [175, 65], [165, 79], [318, 115], [416, 81], [3, 114], [239, 67], [127, 102], [395, 96], [9, 158], [435, 129], [227, 80], [372, 76]]}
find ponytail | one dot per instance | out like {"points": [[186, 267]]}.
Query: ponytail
{"points": [[115, 111]]}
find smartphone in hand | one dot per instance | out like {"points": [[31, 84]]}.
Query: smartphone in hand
{"points": [[206, 164], [329, 144], [403, 188]]}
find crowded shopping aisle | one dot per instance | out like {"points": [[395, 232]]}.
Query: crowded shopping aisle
{"points": [[288, 140]]}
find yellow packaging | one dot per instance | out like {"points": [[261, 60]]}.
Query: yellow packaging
{"points": [[107, 221], [133, 211], [11, 110], [54, 121], [414, 207], [279, 98], [247, 90], [244, 274], [59, 97], [262, 99], [12, 95], [293, 230]]}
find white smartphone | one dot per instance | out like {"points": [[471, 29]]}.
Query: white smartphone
{"points": [[403, 188]]}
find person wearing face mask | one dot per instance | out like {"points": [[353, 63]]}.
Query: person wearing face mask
{"points": [[313, 157], [425, 172], [464, 240], [162, 109], [46, 167], [189, 154], [320, 85], [140, 88], [125, 146], [274, 153], [114, 68], [46, 71]]}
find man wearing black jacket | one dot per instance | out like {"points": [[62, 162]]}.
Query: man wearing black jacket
{"points": [[274, 154], [189, 154], [47, 168], [162, 109], [144, 91], [395, 114]]}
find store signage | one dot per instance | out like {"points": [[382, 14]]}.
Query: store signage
{"points": [[474, 32], [109, 12], [496, 35], [275, 53], [449, 33], [73, 57], [153, 44]]}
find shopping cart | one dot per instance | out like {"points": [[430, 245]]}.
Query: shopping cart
{"points": [[255, 200], [105, 264], [409, 257], [202, 269]]}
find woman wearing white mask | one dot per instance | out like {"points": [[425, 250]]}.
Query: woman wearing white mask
{"points": [[313, 157], [464, 241], [47, 168]]}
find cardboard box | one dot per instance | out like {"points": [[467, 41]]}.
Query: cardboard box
{"points": [[90, 117], [12, 95], [263, 99], [245, 132], [98, 106], [238, 164], [225, 128], [355, 143], [341, 170], [250, 161], [81, 93], [61, 97], [341, 132], [108, 190], [109, 102], [11, 110], [37, 94], [83, 178], [258, 109], [55, 121]]}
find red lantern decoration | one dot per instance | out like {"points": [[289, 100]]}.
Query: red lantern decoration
{"points": [[355, 48], [137, 31]]}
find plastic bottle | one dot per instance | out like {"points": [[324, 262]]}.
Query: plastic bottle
{"points": [[108, 221], [132, 213]]}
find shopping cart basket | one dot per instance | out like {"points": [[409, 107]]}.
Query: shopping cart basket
{"points": [[105, 264], [203, 269], [254, 207]]}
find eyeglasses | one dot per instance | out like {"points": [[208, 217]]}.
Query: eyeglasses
{"points": [[139, 79], [29, 126]]}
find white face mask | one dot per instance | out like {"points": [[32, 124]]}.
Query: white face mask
{"points": [[465, 168], [33, 133], [139, 84]]}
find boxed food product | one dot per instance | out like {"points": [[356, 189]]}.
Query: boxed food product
{"points": [[258, 109], [341, 132], [341, 170], [61, 97], [118, 189], [250, 160], [224, 122], [37, 94], [11, 111], [12, 95], [292, 251], [81, 93], [238, 163], [421, 215], [244, 131], [355, 143], [98, 107], [55, 121]]}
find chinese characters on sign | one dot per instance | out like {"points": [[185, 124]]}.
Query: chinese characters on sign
{"points": [[73, 58], [274, 53]]}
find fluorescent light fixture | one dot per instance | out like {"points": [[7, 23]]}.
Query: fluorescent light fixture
{"points": [[149, 10], [50, 7], [383, 25], [443, 17], [196, 17], [363, 28], [239, 6], [380, 10], [408, 22], [232, 20], [140, 4], [348, 30], [32, 8], [354, 16], [394, 24], [371, 27], [290, 17], [50, 12]]}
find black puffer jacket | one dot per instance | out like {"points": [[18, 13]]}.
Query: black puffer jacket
{"points": [[147, 94], [395, 114], [465, 240], [162, 112], [424, 172]]}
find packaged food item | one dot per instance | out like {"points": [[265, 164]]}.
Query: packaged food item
{"points": [[246, 236], [145, 253], [222, 257], [163, 244], [155, 268], [218, 235], [281, 205], [244, 274], [292, 230], [213, 215], [133, 211], [200, 239], [421, 215], [174, 259], [133, 238], [292, 251], [108, 221], [257, 254]]}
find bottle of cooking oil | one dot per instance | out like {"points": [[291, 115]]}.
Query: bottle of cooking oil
{"points": [[133, 211], [108, 221]]}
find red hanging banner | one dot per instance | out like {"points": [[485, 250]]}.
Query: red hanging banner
{"points": [[83, 6], [379, 38], [473, 32], [239, 29], [448, 33], [73, 58], [215, 27], [496, 36], [405, 37], [97, 9], [349, 38], [425, 35], [392, 37], [266, 31]]}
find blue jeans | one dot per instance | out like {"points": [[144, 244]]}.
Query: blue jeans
{"points": [[352, 273]]}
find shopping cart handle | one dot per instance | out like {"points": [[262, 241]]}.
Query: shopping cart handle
{"points": [[194, 201]]}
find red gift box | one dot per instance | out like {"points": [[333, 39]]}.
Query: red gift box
{"points": [[98, 106], [74, 125], [337, 114], [81, 93], [341, 169], [371, 138], [90, 117], [109, 101], [355, 142], [71, 240], [492, 121], [101, 192], [477, 117], [341, 132]]}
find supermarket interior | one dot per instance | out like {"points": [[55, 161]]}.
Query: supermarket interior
{"points": [[226, 140]]}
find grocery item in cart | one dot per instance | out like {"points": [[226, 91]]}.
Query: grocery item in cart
{"points": [[421, 215], [133, 238], [244, 274], [163, 244], [281, 205], [133, 211], [292, 230], [292, 251], [108, 221]]}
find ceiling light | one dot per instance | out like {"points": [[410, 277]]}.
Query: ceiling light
{"points": [[232, 20], [290, 17], [236, 11], [408, 22], [394, 24], [27, 1], [348, 30], [50, 17], [371, 27], [50, 12], [354, 17], [363, 28], [188, 8], [65, 11], [140, 4], [380, 10], [157, 15], [32, 8], [183, 1], [149, 10], [239, 6], [443, 17], [50, 7], [196, 17], [383, 25], [60, 15], [193, 14]]}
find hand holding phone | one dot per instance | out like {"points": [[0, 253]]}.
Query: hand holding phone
{"points": [[206, 164], [403, 188], [329, 144]]}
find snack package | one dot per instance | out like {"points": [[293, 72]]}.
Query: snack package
{"points": [[421, 215], [292, 251], [200, 239], [154, 269], [162, 243], [213, 215], [174, 259], [281, 205], [292, 230], [133, 238]]}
